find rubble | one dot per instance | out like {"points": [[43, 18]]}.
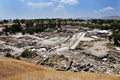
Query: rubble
{"points": [[78, 61], [88, 54]]}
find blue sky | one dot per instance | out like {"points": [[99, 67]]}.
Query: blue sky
{"points": [[11, 9]]}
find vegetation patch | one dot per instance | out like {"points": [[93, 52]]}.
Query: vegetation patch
{"points": [[28, 54], [110, 45]]}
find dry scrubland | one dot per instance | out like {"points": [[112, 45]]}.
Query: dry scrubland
{"points": [[11, 69]]}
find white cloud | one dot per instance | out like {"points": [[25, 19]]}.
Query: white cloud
{"points": [[71, 2], [40, 4], [60, 7], [60, 11], [104, 10]]}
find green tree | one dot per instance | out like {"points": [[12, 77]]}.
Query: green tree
{"points": [[5, 21], [116, 37], [6, 30], [29, 24]]}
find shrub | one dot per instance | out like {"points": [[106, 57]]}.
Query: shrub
{"points": [[1, 32], [28, 54], [18, 58], [8, 55]]}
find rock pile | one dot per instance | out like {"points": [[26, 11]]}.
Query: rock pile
{"points": [[78, 61]]}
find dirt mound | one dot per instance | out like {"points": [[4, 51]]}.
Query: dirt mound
{"points": [[11, 69]]}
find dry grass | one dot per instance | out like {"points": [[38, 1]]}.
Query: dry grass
{"points": [[20, 70], [103, 39], [9, 67], [110, 45], [55, 75]]}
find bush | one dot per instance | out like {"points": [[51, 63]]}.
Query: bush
{"points": [[8, 55], [18, 58], [28, 54], [1, 32]]}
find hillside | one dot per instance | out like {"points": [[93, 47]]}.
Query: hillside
{"points": [[11, 69]]}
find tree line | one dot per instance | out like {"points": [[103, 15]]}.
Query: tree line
{"points": [[40, 25], [31, 27]]}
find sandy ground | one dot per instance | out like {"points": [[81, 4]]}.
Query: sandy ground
{"points": [[99, 49], [53, 41]]}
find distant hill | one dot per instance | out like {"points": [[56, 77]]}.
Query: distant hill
{"points": [[112, 17], [11, 69]]}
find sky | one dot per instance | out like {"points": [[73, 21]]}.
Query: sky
{"points": [[31, 9]]}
